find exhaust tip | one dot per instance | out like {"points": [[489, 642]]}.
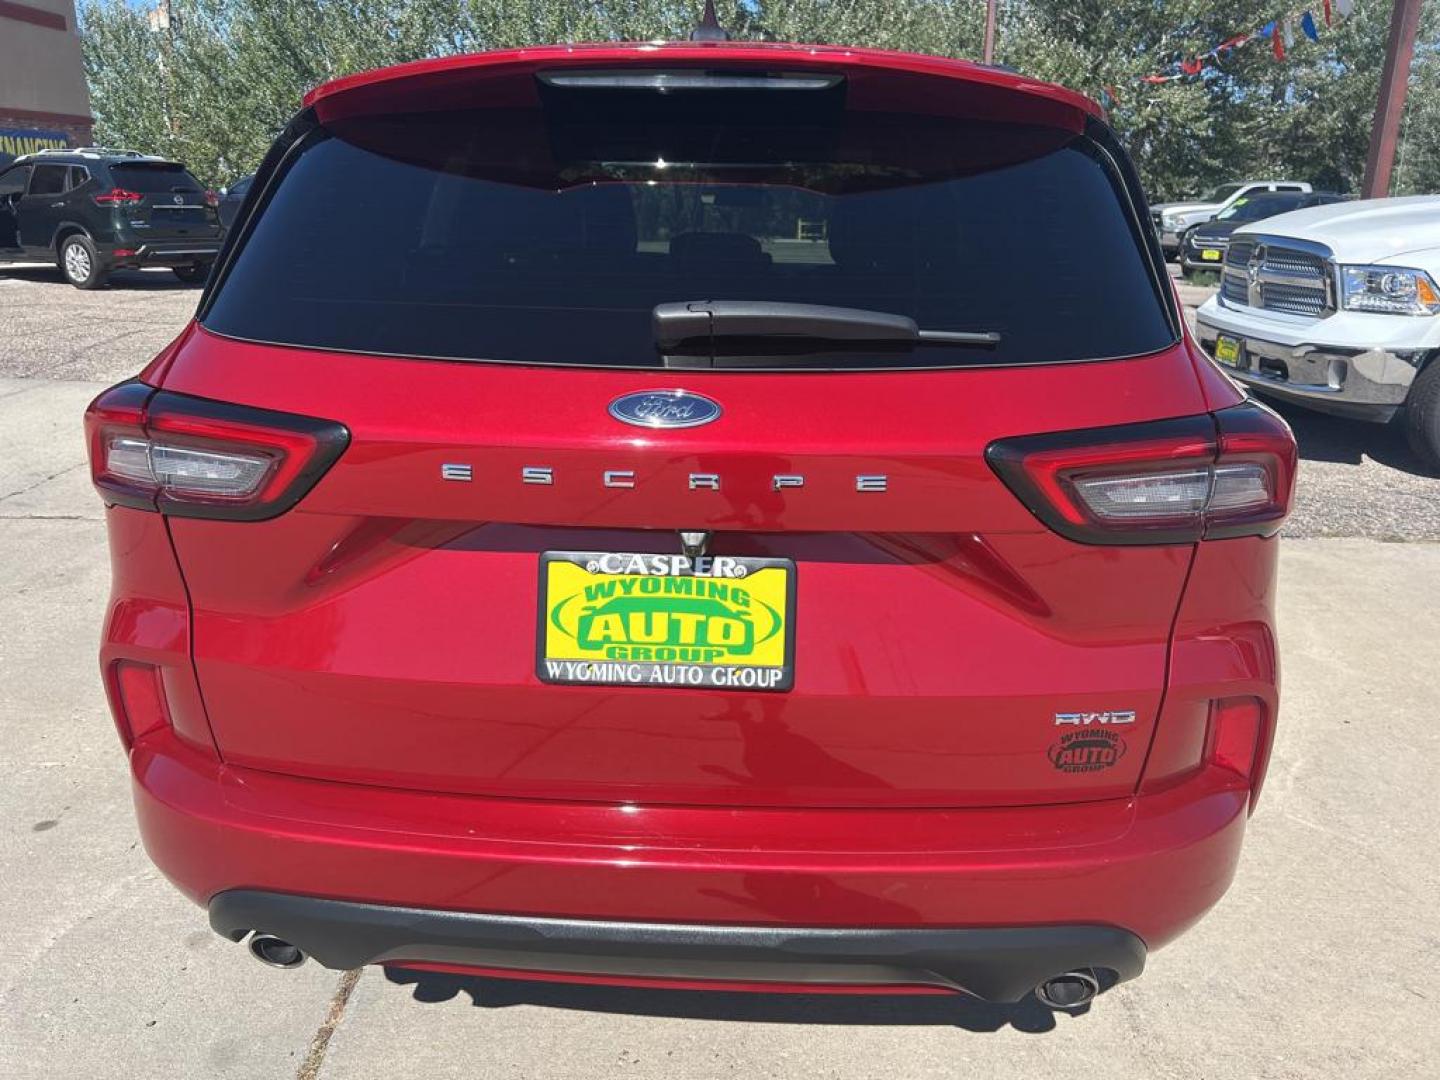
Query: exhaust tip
{"points": [[276, 952], [1070, 990]]}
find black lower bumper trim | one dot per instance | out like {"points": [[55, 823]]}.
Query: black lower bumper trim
{"points": [[176, 255], [996, 964]]}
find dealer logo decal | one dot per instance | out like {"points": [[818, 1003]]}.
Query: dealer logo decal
{"points": [[1086, 751]]}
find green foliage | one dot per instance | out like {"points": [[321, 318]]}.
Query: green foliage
{"points": [[214, 86]]}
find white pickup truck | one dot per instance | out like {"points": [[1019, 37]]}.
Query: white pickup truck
{"points": [[1337, 308]]}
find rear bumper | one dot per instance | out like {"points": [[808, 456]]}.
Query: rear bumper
{"points": [[178, 253], [997, 964], [1148, 866]]}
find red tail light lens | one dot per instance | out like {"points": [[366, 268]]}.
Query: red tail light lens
{"points": [[1255, 438], [1172, 481], [192, 457], [140, 700], [1234, 734], [1238, 740], [212, 198], [119, 197]]}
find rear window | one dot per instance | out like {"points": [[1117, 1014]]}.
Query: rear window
{"points": [[154, 179], [548, 236]]}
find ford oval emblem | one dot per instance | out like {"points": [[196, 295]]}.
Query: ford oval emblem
{"points": [[664, 409]]}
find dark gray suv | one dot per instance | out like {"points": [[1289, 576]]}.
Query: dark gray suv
{"points": [[92, 210]]}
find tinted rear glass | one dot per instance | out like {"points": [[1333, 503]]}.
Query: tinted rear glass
{"points": [[549, 235], [154, 179]]}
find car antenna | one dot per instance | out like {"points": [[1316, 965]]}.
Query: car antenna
{"points": [[709, 28]]}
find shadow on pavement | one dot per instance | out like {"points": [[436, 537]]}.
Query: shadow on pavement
{"points": [[1332, 438], [909, 1010], [41, 274]]}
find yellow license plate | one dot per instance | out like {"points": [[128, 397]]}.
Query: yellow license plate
{"points": [[624, 619], [1210, 254], [1227, 350]]}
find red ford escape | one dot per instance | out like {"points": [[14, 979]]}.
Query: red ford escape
{"points": [[704, 515]]}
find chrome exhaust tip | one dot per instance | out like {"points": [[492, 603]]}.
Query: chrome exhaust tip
{"points": [[1070, 990], [276, 952]]}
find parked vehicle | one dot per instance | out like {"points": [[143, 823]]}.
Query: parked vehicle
{"points": [[91, 211], [1203, 246], [1335, 308], [231, 199], [1173, 218], [518, 568]]}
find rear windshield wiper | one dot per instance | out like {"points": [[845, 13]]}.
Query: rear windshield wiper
{"points": [[719, 333]]}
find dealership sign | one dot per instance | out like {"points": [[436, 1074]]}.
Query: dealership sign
{"points": [[17, 141]]}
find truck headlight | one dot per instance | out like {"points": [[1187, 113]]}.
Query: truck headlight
{"points": [[1168, 220], [1388, 290]]}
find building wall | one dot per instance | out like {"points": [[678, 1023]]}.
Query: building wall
{"points": [[43, 100]]}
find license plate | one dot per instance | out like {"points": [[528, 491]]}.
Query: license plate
{"points": [[1227, 350], [623, 619], [177, 215], [1210, 254]]}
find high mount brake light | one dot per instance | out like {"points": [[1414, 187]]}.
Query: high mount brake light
{"points": [[671, 81], [193, 457], [119, 197], [1228, 474]]}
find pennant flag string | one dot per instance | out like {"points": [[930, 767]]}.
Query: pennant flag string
{"points": [[1280, 32]]}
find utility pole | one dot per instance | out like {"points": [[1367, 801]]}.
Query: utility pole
{"points": [[989, 56], [1394, 79]]}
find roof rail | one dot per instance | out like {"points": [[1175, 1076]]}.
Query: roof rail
{"points": [[88, 151], [105, 151]]}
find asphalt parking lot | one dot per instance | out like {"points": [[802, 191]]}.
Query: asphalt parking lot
{"points": [[1318, 964]]}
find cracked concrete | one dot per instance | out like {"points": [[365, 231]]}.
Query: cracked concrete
{"points": [[1319, 963]]}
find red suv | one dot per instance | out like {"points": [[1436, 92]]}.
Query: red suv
{"points": [[711, 515]]}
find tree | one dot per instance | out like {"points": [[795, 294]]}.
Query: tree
{"points": [[214, 86]]}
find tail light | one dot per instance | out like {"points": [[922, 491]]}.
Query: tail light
{"points": [[1236, 740], [1227, 474], [212, 199], [139, 699], [1234, 734], [193, 457], [119, 197]]}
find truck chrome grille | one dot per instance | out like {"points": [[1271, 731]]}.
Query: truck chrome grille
{"points": [[1292, 280], [1294, 299]]}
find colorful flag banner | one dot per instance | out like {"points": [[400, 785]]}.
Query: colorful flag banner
{"points": [[1280, 31]]}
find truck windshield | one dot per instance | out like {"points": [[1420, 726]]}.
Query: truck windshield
{"points": [[549, 235], [1259, 208]]}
